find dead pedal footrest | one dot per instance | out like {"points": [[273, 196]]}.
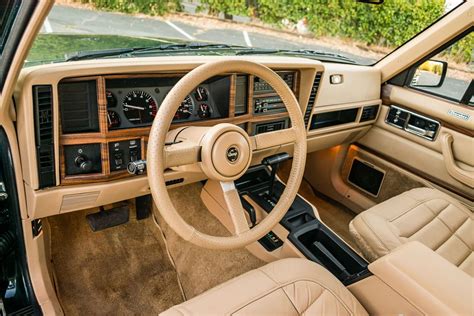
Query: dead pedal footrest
{"points": [[106, 219]]}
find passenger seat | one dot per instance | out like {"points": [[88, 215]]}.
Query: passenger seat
{"points": [[427, 215]]}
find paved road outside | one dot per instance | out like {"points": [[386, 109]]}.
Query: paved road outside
{"points": [[72, 20]]}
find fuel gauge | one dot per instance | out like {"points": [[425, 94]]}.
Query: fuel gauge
{"points": [[113, 119], [201, 94]]}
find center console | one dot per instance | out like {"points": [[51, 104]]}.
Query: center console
{"points": [[306, 232]]}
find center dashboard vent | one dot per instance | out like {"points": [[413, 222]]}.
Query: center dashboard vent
{"points": [[312, 97], [43, 109]]}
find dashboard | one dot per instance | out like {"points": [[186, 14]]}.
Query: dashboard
{"points": [[105, 120], [80, 123]]}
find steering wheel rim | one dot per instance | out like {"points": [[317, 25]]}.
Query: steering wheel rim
{"points": [[156, 157]]}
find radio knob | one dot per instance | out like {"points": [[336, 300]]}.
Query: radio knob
{"points": [[83, 163]]}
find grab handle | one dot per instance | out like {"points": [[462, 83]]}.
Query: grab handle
{"points": [[464, 176]]}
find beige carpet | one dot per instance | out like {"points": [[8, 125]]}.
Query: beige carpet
{"points": [[118, 271], [201, 269]]}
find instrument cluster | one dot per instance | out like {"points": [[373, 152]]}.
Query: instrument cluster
{"points": [[134, 102]]}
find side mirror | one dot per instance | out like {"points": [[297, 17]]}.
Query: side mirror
{"points": [[431, 74]]}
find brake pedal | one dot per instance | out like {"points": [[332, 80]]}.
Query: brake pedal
{"points": [[106, 219]]}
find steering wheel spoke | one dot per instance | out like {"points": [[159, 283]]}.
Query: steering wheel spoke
{"points": [[182, 153], [272, 139], [234, 207], [223, 152]]}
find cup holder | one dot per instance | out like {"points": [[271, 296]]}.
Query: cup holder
{"points": [[300, 219], [320, 244]]}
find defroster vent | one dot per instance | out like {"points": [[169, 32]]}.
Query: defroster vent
{"points": [[312, 97], [43, 103]]}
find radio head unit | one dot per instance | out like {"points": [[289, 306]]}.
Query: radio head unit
{"points": [[265, 99]]}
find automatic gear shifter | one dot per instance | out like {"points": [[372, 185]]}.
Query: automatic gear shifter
{"points": [[274, 163]]}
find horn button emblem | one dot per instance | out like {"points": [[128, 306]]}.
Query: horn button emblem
{"points": [[232, 154]]}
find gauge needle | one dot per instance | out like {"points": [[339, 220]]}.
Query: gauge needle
{"points": [[109, 119], [134, 107]]}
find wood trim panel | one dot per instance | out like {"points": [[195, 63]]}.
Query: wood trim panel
{"points": [[105, 136]]}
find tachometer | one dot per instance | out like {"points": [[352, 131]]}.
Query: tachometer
{"points": [[139, 107], [185, 109]]}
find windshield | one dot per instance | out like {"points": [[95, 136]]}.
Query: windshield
{"points": [[329, 30]]}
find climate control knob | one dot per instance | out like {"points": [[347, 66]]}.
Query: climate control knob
{"points": [[83, 163]]}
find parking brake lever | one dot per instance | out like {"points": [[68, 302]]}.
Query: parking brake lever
{"points": [[250, 210]]}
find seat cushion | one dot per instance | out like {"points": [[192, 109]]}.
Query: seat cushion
{"points": [[427, 215], [284, 287]]}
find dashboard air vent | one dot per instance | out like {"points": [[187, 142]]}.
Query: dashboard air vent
{"points": [[312, 97], [43, 109], [78, 106], [369, 113]]}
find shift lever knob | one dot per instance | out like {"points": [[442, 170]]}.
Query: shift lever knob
{"points": [[275, 159]]}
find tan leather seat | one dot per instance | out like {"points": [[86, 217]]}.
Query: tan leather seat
{"points": [[427, 215], [285, 287]]}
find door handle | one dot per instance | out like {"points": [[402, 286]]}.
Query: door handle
{"points": [[464, 176]]}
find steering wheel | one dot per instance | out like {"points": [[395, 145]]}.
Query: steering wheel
{"points": [[224, 153]]}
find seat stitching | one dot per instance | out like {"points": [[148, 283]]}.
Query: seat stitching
{"points": [[410, 209], [435, 216], [423, 226], [302, 279], [421, 202], [453, 233], [284, 292], [376, 236], [464, 259], [308, 280], [459, 226]]}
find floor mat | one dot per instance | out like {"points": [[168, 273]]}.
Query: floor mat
{"points": [[335, 215], [201, 269], [122, 270]]}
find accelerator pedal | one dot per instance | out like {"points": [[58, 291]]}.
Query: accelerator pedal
{"points": [[106, 219]]}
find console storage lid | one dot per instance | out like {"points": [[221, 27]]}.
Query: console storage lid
{"points": [[426, 280]]}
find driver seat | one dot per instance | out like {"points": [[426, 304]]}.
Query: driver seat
{"points": [[291, 286]]}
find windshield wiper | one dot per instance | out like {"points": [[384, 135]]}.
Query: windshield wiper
{"points": [[119, 52], [197, 46], [318, 54]]}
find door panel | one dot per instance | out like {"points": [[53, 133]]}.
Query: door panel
{"points": [[422, 156]]}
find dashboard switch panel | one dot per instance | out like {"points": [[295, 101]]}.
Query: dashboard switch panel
{"points": [[123, 152], [83, 159], [412, 123]]}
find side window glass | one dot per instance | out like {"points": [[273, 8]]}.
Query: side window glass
{"points": [[449, 73], [8, 11]]}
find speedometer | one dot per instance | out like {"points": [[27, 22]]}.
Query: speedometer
{"points": [[139, 107], [185, 109]]}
